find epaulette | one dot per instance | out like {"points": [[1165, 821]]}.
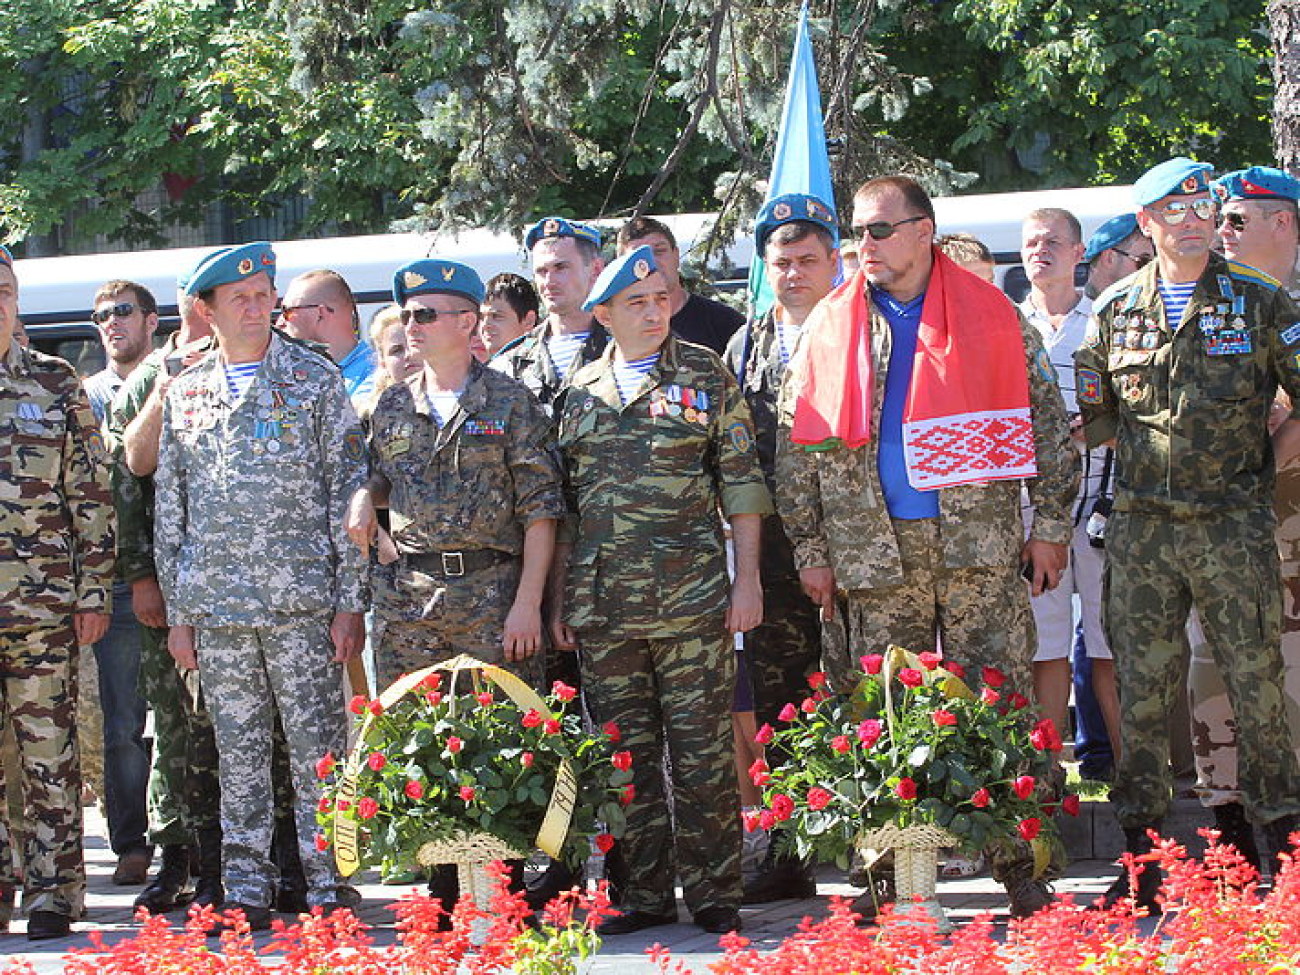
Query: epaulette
{"points": [[1244, 272]]}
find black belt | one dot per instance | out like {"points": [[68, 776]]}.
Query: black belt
{"points": [[455, 564]]}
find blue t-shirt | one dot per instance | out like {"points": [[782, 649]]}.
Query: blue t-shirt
{"points": [[903, 501]]}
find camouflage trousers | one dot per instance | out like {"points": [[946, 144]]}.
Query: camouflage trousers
{"points": [[246, 673], [673, 694], [38, 691], [1225, 564], [785, 648], [184, 792], [90, 723]]}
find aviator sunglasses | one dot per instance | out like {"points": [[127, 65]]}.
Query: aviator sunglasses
{"points": [[1176, 212]]}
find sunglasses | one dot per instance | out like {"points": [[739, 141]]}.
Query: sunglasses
{"points": [[289, 311], [427, 316], [1175, 213], [122, 309], [1139, 260], [883, 229], [1237, 221]]}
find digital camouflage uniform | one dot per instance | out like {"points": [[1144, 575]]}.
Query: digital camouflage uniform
{"points": [[647, 592], [56, 540], [461, 499], [252, 551], [913, 582], [785, 647], [184, 795], [1193, 520]]}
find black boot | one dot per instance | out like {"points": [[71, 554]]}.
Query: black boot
{"points": [[554, 881], [444, 886], [208, 891], [291, 890], [1277, 835], [782, 876], [1138, 843], [171, 887], [1235, 830]]}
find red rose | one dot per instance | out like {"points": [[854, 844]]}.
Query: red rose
{"points": [[367, 807], [818, 798], [906, 789], [788, 713], [989, 696], [1071, 805], [749, 820], [954, 668], [808, 706], [622, 761], [840, 743], [782, 807], [454, 744], [929, 660], [324, 806], [993, 677], [910, 677], [431, 681], [376, 761], [1028, 828], [764, 734], [944, 719], [604, 842], [1044, 736], [766, 820], [1023, 787], [872, 662], [627, 795], [551, 726], [325, 766], [484, 698], [527, 759], [869, 731], [563, 691], [343, 805], [980, 799], [358, 704], [816, 680], [467, 793], [375, 708], [758, 773], [1018, 701], [322, 844], [433, 697], [531, 719], [414, 790], [611, 732]]}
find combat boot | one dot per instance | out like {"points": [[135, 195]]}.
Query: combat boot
{"points": [[291, 889], [782, 876], [208, 891], [171, 887], [1138, 843], [1236, 831], [444, 887], [1277, 835]]}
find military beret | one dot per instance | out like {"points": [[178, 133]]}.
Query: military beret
{"points": [[230, 264], [790, 207], [559, 227], [624, 272], [1114, 231], [434, 276], [1179, 176], [6, 257], [1257, 183]]}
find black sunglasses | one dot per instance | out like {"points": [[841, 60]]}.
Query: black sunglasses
{"points": [[1139, 260], [1237, 221], [427, 316], [121, 310], [883, 229]]}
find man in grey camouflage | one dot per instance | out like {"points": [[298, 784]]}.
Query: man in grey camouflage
{"points": [[259, 454], [56, 576], [656, 440], [906, 566], [1180, 372]]}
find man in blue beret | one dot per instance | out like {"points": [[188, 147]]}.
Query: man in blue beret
{"points": [[1179, 374], [657, 444], [1115, 250], [259, 453], [566, 259]]}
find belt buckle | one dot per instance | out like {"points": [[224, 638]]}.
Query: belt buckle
{"points": [[453, 564]]}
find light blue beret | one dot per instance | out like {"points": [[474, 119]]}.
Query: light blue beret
{"points": [[1257, 183], [6, 257], [559, 227], [1179, 176], [624, 272], [789, 208], [230, 264], [1114, 231], [434, 276]]}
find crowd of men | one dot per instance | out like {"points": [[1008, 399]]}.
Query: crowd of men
{"points": [[552, 480]]}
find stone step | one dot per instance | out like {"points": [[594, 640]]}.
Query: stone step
{"points": [[1095, 834]]}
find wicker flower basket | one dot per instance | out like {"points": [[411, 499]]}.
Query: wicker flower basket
{"points": [[471, 853], [916, 863]]}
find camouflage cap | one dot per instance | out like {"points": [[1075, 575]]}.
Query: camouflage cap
{"points": [[230, 264], [1111, 233], [433, 276], [623, 272], [559, 227]]}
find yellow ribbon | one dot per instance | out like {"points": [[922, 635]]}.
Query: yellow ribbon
{"points": [[559, 812]]}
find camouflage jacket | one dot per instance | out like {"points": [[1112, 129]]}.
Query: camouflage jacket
{"points": [[252, 495], [56, 513], [528, 361], [1188, 406], [754, 356], [646, 481], [833, 507]]}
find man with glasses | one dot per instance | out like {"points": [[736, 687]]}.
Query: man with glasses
{"points": [[1179, 374], [918, 403], [1115, 250], [318, 307]]}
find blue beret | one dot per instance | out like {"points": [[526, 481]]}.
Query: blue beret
{"points": [[1114, 231], [559, 227], [790, 207], [1179, 176], [1257, 183], [6, 257], [433, 276], [624, 272], [231, 264]]}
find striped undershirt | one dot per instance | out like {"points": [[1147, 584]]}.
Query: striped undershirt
{"points": [[630, 375], [1176, 297], [239, 376], [786, 338], [563, 348]]}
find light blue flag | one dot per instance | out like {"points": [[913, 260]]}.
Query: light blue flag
{"points": [[801, 164]]}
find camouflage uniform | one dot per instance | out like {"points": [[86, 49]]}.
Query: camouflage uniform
{"points": [[252, 551], [184, 795], [528, 361], [1193, 522], [785, 647], [647, 592], [461, 498], [56, 532]]}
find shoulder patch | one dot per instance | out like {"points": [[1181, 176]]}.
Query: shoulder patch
{"points": [[1089, 386], [742, 441], [1244, 272]]}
